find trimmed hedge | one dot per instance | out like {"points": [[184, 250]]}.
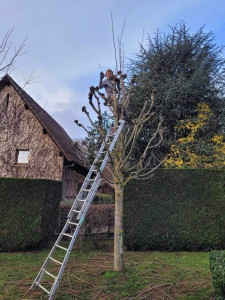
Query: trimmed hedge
{"points": [[28, 212], [217, 269], [176, 210]]}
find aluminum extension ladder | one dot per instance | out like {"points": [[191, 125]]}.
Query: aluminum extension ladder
{"points": [[76, 215]]}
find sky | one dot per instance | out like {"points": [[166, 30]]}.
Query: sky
{"points": [[68, 43]]}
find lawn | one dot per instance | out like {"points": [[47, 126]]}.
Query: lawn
{"points": [[90, 275]]}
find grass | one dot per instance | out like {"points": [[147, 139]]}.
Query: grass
{"points": [[90, 275]]}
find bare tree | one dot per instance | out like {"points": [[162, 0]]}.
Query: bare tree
{"points": [[124, 165], [11, 113], [8, 55]]}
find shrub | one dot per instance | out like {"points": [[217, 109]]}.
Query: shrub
{"points": [[176, 210], [103, 199], [217, 268], [28, 212], [99, 219]]}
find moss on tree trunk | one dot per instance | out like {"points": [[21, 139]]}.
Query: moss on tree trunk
{"points": [[118, 227]]}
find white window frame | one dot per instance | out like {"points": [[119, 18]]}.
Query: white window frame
{"points": [[22, 156]]}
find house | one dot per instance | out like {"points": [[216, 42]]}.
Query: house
{"points": [[34, 145]]}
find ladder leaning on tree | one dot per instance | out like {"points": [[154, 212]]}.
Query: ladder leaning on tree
{"points": [[76, 215]]}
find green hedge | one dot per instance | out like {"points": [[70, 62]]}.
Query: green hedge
{"points": [[217, 269], [176, 210], [28, 212]]}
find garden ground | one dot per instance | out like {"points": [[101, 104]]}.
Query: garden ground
{"points": [[89, 275]]}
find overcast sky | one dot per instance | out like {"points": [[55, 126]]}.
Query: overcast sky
{"points": [[68, 39]]}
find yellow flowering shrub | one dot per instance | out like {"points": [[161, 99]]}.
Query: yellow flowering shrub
{"points": [[193, 149]]}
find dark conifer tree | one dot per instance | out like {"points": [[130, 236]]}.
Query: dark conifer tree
{"points": [[186, 68]]}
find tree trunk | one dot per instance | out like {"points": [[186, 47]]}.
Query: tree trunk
{"points": [[118, 227]]}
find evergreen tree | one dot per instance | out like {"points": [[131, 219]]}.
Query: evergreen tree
{"points": [[186, 68], [93, 141]]}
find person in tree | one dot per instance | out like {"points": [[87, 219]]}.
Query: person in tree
{"points": [[108, 84], [112, 82]]}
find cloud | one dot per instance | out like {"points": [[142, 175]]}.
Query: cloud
{"points": [[58, 99], [68, 39], [62, 102]]}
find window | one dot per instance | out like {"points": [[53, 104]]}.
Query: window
{"points": [[22, 156], [7, 101]]}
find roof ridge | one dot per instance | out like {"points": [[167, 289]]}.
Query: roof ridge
{"points": [[56, 131]]}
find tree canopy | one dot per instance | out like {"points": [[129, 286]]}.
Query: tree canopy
{"points": [[186, 68]]}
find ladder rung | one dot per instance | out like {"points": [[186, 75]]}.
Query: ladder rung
{"points": [[81, 199], [44, 289], [86, 190], [91, 179], [72, 223], [50, 274], [76, 211], [94, 170], [101, 160], [103, 152], [56, 261], [61, 247], [69, 235]]}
